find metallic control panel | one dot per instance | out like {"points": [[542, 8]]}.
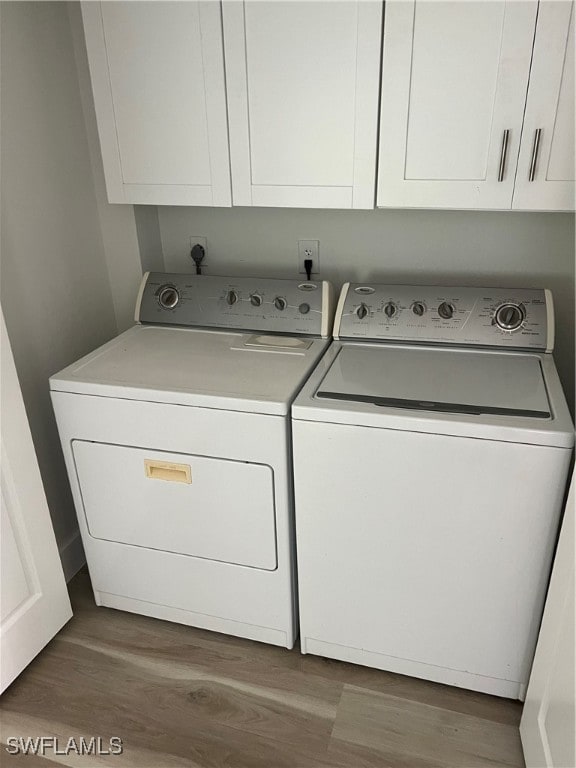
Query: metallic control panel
{"points": [[239, 303], [503, 317]]}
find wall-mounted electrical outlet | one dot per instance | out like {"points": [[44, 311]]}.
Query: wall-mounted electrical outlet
{"points": [[309, 249]]}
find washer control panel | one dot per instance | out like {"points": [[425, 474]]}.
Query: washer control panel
{"points": [[239, 303], [520, 318]]}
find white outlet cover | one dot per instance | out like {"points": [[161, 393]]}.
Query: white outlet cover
{"points": [[309, 249]]}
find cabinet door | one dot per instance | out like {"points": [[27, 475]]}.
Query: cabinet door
{"points": [[158, 80], [454, 80], [545, 177], [302, 87]]}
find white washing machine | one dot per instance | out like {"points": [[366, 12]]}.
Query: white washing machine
{"points": [[177, 441], [431, 450]]}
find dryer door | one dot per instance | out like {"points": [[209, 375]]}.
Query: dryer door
{"points": [[205, 507]]}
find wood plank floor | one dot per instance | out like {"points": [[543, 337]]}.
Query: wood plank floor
{"points": [[179, 696]]}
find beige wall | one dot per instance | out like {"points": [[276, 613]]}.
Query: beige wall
{"points": [[55, 288], [453, 247]]}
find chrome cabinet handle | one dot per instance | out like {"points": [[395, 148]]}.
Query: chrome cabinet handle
{"points": [[535, 148], [503, 153]]}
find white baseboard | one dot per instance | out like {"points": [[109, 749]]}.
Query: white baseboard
{"points": [[72, 555]]}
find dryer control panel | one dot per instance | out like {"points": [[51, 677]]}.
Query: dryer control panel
{"points": [[238, 303], [485, 317]]}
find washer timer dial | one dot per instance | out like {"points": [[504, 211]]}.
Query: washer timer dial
{"points": [[509, 317]]}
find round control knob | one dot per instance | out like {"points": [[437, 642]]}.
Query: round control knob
{"points": [[304, 308], [418, 308], [280, 303], [231, 298], [168, 296], [362, 311], [446, 310], [256, 300], [390, 309], [510, 317]]}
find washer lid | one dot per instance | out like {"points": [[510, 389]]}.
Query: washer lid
{"points": [[439, 380]]}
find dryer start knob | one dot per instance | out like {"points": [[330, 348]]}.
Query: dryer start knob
{"points": [[168, 296], [231, 298]]}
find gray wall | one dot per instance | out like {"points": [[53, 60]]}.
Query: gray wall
{"points": [[55, 289], [453, 247], [117, 222], [149, 240]]}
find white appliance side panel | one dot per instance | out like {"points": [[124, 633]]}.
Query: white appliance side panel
{"points": [[423, 547], [196, 591], [186, 504]]}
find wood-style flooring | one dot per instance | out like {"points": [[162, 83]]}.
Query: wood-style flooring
{"points": [[179, 696]]}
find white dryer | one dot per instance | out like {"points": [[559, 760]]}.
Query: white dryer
{"points": [[177, 441], [431, 450]]}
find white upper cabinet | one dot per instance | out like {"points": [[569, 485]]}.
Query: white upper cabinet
{"points": [[302, 85], [275, 102], [157, 75], [545, 178], [454, 80]]}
